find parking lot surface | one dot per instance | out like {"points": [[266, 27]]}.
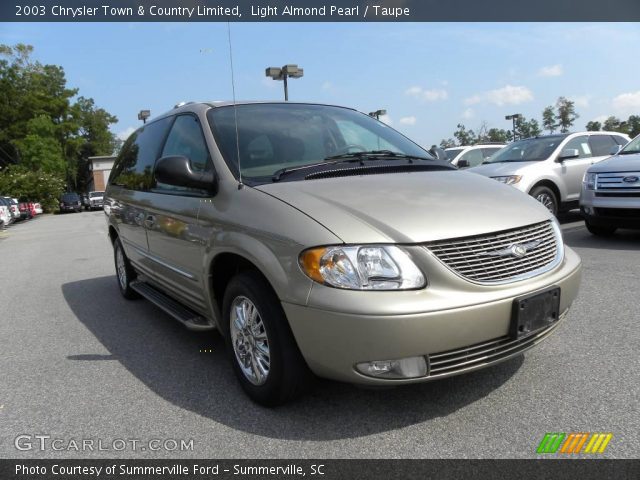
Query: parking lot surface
{"points": [[79, 362]]}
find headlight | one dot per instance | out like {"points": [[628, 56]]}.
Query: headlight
{"points": [[367, 267], [509, 179], [589, 181]]}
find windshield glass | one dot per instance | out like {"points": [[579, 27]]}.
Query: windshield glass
{"points": [[452, 153], [96, 194], [70, 197], [632, 147], [529, 150], [276, 136]]}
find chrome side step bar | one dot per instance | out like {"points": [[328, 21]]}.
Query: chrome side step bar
{"points": [[184, 315]]}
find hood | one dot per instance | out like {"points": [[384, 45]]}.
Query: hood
{"points": [[618, 163], [500, 169], [410, 207]]}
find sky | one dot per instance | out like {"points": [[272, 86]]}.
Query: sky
{"points": [[428, 76]]}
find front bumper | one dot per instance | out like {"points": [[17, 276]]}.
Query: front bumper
{"points": [[333, 342], [618, 211]]}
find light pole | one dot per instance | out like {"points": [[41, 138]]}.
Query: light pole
{"points": [[143, 115], [513, 117], [378, 113], [288, 71]]}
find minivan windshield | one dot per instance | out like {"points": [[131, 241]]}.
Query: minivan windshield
{"points": [[632, 147], [529, 150], [276, 136]]}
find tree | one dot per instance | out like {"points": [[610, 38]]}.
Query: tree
{"points": [[566, 114], [633, 125], [527, 128], [594, 126], [448, 143], [612, 124], [549, 119], [20, 182], [498, 135], [39, 149], [464, 136]]}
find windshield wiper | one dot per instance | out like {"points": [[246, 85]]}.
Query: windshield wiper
{"points": [[350, 157], [375, 154]]}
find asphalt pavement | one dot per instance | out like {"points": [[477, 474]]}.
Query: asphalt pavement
{"points": [[78, 363]]}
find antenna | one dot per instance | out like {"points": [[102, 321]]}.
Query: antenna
{"points": [[235, 109]]}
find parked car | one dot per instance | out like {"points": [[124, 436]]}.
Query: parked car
{"points": [[12, 203], [37, 208], [471, 156], [70, 202], [610, 197], [5, 213], [96, 200], [550, 167], [84, 199], [316, 238], [25, 211]]}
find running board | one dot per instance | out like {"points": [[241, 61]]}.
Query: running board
{"points": [[187, 317]]}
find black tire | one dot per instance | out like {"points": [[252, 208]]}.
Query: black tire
{"points": [[599, 230], [127, 272], [288, 374], [546, 196]]}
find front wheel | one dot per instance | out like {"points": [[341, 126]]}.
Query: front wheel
{"points": [[600, 231], [261, 347], [546, 197], [125, 274]]}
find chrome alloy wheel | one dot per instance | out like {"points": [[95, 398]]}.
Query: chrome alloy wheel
{"points": [[121, 268], [546, 200], [249, 340]]}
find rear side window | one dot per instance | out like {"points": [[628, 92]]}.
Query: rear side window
{"points": [[186, 139], [487, 152], [474, 157], [133, 168], [601, 145], [620, 140]]}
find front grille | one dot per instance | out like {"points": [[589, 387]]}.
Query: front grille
{"points": [[488, 259], [618, 212], [614, 183], [480, 354]]}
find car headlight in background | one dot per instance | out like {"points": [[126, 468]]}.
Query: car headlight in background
{"points": [[508, 179], [366, 267], [589, 181]]}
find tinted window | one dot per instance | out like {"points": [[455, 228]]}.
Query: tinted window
{"points": [[620, 140], [452, 153], [70, 197], [474, 157], [531, 149], [186, 139], [488, 151], [275, 136], [133, 168], [581, 144], [601, 145]]}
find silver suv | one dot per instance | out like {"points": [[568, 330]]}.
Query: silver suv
{"points": [[550, 168], [317, 239], [610, 197]]}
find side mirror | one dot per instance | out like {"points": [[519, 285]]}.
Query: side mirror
{"points": [[615, 149], [176, 170], [438, 152], [463, 164], [568, 153]]}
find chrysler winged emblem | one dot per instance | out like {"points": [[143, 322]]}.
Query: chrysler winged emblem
{"points": [[517, 250]]}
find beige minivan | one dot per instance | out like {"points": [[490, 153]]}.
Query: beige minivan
{"points": [[317, 239]]}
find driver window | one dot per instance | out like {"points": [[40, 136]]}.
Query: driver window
{"points": [[581, 144]]}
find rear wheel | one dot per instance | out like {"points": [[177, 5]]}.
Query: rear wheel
{"points": [[261, 347], [546, 197], [600, 231], [125, 274]]}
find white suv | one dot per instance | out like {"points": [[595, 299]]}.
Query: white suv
{"points": [[550, 167], [471, 156]]}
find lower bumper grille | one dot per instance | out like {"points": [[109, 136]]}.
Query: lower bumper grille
{"points": [[475, 356], [618, 212]]}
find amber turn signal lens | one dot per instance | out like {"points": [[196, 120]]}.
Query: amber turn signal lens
{"points": [[310, 263]]}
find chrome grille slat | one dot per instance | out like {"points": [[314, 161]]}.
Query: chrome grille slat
{"points": [[613, 182], [469, 256]]}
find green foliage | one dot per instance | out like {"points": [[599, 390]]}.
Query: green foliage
{"points": [[20, 182], [464, 136], [566, 114], [633, 125], [498, 135], [527, 128], [594, 126], [549, 119], [447, 143], [613, 124], [40, 127]]}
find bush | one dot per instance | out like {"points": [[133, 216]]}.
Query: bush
{"points": [[45, 188]]}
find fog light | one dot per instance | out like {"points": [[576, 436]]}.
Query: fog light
{"points": [[411, 367]]}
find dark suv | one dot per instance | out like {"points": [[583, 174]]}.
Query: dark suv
{"points": [[70, 202]]}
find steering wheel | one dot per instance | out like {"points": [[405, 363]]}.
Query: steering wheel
{"points": [[349, 146]]}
